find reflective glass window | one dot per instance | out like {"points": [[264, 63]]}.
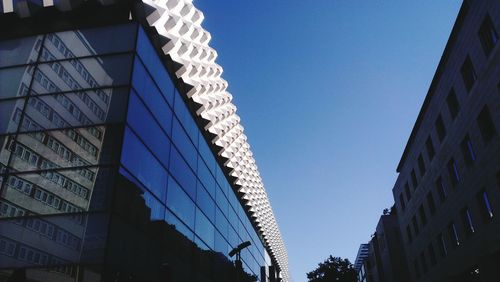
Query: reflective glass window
{"points": [[182, 173], [180, 203], [221, 223], [10, 115], [19, 51], [15, 81], [147, 90], [172, 219], [157, 210], [221, 200], [185, 118], [184, 145], [143, 165], [204, 229], [89, 42], [220, 244], [150, 58], [75, 74], [206, 154], [206, 177], [205, 202], [140, 119]]}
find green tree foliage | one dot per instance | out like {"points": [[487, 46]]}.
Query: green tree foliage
{"points": [[333, 269]]}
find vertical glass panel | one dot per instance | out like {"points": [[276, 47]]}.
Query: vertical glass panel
{"points": [[172, 219], [140, 119], [221, 200], [205, 202], [150, 58], [10, 115], [206, 177], [180, 203], [147, 90], [182, 173], [143, 165], [88, 42], [19, 51], [221, 223], [204, 229], [220, 244], [207, 154], [15, 81], [185, 118], [184, 145]]}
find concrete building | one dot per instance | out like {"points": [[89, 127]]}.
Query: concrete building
{"points": [[122, 157], [448, 190], [385, 259]]}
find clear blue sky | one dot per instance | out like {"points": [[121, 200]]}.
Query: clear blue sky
{"points": [[328, 92]]}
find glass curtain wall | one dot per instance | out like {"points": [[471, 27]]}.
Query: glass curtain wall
{"points": [[104, 173]]}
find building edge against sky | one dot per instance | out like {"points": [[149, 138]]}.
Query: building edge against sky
{"points": [[447, 194], [176, 26]]}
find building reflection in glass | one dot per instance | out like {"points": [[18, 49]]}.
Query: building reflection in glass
{"points": [[104, 174]]}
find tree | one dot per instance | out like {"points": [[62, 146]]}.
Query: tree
{"points": [[333, 269]]}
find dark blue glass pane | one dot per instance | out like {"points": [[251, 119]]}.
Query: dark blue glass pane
{"points": [[147, 90], [185, 117], [19, 51], [221, 200], [143, 165], [150, 58], [204, 229], [140, 119], [184, 145], [221, 245], [157, 210], [85, 42], [179, 225], [182, 173], [206, 177], [180, 203], [233, 239], [205, 202], [221, 223], [207, 154]]}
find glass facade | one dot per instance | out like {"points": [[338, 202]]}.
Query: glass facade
{"points": [[104, 173]]}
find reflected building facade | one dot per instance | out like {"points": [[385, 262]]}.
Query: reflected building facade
{"points": [[105, 173]]}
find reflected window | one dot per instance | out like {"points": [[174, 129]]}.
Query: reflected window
{"points": [[180, 203]]}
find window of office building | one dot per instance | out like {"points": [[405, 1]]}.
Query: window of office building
{"points": [[442, 245], [417, 269], [421, 165], [415, 224], [453, 172], [486, 125], [485, 205], [402, 201], [431, 203], [453, 233], [467, 221], [408, 233], [423, 216], [430, 148], [407, 191], [432, 254], [423, 261], [468, 150], [441, 189], [440, 128], [469, 75], [488, 35], [453, 105], [414, 180]]}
